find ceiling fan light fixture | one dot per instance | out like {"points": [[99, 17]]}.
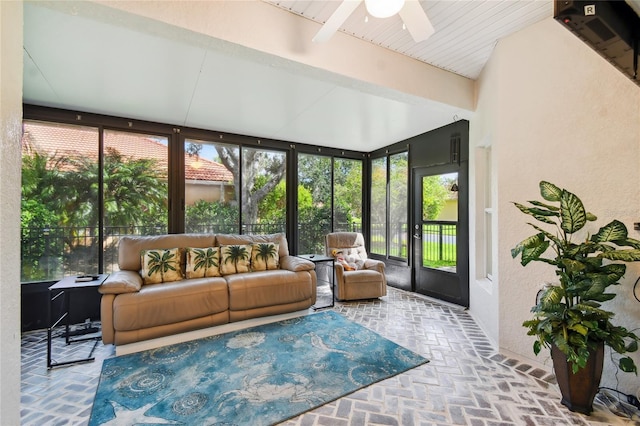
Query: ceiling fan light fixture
{"points": [[383, 8]]}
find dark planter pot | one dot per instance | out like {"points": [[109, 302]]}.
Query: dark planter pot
{"points": [[579, 389]]}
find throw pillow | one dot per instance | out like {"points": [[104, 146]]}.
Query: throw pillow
{"points": [[202, 262], [235, 258], [265, 256], [348, 262], [161, 266]]}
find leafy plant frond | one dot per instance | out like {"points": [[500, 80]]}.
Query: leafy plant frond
{"points": [[614, 231], [533, 241], [573, 214], [570, 315], [549, 191], [539, 214], [546, 206], [631, 255]]}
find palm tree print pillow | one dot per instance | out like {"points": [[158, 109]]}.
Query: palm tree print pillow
{"points": [[235, 259], [265, 256], [161, 266], [202, 262]]}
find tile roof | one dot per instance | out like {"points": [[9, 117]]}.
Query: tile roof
{"points": [[76, 141]]}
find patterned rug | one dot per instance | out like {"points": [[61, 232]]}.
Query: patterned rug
{"points": [[257, 376]]}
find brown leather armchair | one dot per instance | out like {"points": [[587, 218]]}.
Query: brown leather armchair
{"points": [[368, 280]]}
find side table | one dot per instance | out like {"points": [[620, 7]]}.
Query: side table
{"points": [[65, 288], [321, 258]]}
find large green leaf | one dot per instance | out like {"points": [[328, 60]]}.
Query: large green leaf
{"points": [[574, 216], [614, 231], [613, 272], [631, 242], [572, 266], [549, 191], [533, 253], [539, 214], [533, 241], [632, 255], [546, 206], [627, 365]]}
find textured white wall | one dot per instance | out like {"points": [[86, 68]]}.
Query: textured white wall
{"points": [[10, 135], [559, 112]]}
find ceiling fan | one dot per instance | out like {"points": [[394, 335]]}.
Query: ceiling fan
{"points": [[413, 15]]}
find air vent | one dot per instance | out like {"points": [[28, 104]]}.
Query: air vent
{"points": [[600, 29]]}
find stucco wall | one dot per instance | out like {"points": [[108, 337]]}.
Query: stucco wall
{"points": [[559, 112], [10, 134]]}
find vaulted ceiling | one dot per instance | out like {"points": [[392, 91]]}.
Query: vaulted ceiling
{"points": [[101, 57]]}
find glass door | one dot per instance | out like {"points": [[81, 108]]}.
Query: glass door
{"points": [[439, 235]]}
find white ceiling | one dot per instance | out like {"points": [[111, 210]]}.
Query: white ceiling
{"points": [[466, 31], [88, 57]]}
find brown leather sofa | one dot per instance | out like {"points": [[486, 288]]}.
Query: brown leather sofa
{"points": [[131, 311]]}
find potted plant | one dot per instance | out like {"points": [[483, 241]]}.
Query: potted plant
{"points": [[568, 316]]}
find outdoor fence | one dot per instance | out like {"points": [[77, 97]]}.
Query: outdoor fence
{"points": [[51, 253], [438, 242]]}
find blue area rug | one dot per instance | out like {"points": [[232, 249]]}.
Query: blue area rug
{"points": [[258, 376]]}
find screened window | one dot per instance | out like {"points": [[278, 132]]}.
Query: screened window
{"points": [[314, 202], [59, 205], [329, 199], [210, 186], [264, 191], [398, 204], [379, 206], [69, 224], [135, 188], [347, 195]]}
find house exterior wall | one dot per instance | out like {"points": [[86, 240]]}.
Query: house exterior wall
{"points": [[208, 191], [557, 111], [10, 134]]}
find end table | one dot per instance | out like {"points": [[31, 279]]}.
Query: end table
{"points": [[321, 258], [66, 287]]}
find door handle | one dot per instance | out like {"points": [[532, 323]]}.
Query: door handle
{"points": [[417, 236]]}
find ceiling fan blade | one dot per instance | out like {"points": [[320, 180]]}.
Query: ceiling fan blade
{"points": [[416, 20], [338, 17]]}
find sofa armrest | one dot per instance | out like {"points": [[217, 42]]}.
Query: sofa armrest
{"points": [[376, 265], [296, 264], [121, 282]]}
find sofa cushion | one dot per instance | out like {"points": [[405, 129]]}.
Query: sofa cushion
{"points": [[235, 258], [202, 262], [159, 266], [264, 256], [268, 288], [160, 304]]}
